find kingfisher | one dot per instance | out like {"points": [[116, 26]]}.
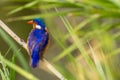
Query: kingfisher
{"points": [[37, 41]]}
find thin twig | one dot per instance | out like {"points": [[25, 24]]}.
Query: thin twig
{"points": [[13, 35], [24, 45]]}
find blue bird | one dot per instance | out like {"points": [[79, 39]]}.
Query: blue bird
{"points": [[38, 40]]}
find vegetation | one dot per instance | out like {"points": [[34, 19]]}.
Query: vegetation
{"points": [[87, 33]]}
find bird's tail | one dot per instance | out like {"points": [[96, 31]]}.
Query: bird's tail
{"points": [[34, 59]]}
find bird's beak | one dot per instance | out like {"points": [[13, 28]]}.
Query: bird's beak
{"points": [[30, 22]]}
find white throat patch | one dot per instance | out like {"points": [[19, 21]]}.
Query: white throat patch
{"points": [[38, 27]]}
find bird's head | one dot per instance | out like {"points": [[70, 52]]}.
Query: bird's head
{"points": [[38, 23]]}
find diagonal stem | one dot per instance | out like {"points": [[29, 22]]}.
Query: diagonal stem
{"points": [[13, 35]]}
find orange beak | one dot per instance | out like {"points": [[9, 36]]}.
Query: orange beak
{"points": [[30, 22]]}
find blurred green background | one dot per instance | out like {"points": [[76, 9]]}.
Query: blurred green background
{"points": [[84, 35]]}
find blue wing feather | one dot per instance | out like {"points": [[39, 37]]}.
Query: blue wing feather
{"points": [[37, 41]]}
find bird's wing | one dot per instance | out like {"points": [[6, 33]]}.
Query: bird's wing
{"points": [[31, 42], [43, 44]]}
